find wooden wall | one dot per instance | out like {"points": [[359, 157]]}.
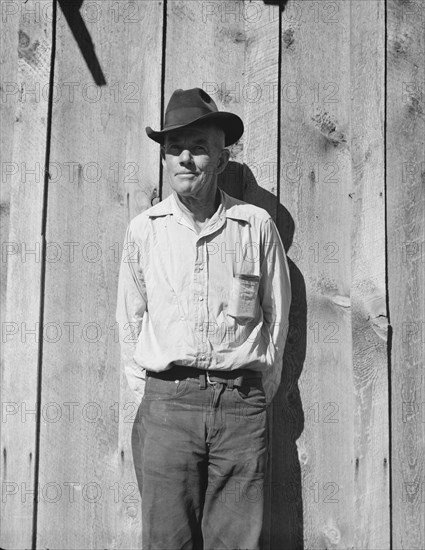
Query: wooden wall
{"points": [[406, 270], [332, 96]]}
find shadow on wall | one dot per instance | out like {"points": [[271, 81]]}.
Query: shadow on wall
{"points": [[71, 12], [281, 3], [283, 521]]}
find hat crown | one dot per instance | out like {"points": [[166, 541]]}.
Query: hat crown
{"points": [[186, 106]]}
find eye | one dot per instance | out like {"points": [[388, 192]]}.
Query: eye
{"points": [[199, 149], [173, 149]]}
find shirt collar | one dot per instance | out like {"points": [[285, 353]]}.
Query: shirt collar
{"points": [[233, 208]]}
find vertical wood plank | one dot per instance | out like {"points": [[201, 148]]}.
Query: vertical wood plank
{"points": [[260, 97], [104, 171], [142, 191], [9, 27], [368, 292], [406, 252], [369, 315], [22, 315], [315, 186], [210, 56], [237, 64], [260, 102]]}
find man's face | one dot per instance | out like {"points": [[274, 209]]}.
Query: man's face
{"points": [[192, 158]]}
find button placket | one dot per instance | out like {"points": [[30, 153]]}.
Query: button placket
{"points": [[200, 298]]}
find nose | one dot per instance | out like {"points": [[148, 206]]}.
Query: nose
{"points": [[185, 156]]}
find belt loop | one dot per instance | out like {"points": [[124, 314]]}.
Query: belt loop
{"points": [[230, 384], [202, 381]]}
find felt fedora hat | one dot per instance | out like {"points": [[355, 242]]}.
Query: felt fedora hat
{"points": [[187, 107]]}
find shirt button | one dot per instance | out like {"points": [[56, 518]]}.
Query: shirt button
{"points": [[201, 267], [201, 328], [200, 298]]}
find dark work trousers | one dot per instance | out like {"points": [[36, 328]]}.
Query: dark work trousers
{"points": [[200, 459]]}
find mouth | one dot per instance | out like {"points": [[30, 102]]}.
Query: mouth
{"points": [[186, 174]]}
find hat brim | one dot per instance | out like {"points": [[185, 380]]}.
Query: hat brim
{"points": [[230, 123]]}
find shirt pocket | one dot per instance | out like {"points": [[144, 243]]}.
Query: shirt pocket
{"points": [[243, 296]]}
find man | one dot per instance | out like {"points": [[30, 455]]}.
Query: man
{"points": [[203, 304]]}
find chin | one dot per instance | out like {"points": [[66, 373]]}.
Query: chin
{"points": [[184, 188]]}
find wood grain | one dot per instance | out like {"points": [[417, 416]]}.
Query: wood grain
{"points": [[205, 48], [368, 292], [22, 305], [406, 281], [315, 186], [104, 171], [9, 28], [260, 101], [353, 225], [258, 93]]}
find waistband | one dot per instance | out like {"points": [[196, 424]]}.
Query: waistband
{"points": [[235, 377]]}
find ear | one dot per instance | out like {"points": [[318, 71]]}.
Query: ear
{"points": [[163, 161], [223, 160]]}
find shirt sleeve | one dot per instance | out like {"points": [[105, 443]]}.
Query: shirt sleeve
{"points": [[131, 306], [275, 296]]}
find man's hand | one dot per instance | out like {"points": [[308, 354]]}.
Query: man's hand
{"points": [[136, 379], [270, 389]]}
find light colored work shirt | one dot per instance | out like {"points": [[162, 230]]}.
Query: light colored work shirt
{"points": [[216, 299]]}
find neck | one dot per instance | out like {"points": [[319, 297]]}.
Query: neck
{"points": [[200, 208]]}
